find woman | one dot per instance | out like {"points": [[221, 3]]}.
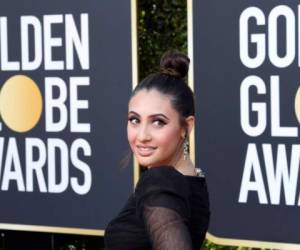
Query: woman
{"points": [[169, 209]]}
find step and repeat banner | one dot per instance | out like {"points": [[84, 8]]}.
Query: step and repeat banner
{"points": [[66, 76], [246, 70]]}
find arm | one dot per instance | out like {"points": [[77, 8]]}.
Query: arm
{"points": [[165, 222]]}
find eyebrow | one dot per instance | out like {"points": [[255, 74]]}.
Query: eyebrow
{"points": [[154, 115]]}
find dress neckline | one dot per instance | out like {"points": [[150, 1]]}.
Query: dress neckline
{"points": [[199, 172]]}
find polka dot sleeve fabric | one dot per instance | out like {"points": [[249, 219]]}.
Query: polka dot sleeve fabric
{"points": [[162, 205]]}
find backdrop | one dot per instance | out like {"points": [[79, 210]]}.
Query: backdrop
{"points": [[246, 69], [66, 76]]}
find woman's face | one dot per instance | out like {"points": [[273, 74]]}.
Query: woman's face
{"points": [[154, 132]]}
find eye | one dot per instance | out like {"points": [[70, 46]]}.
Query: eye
{"points": [[133, 120], [159, 122]]}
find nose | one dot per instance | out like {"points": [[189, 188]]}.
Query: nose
{"points": [[144, 134]]}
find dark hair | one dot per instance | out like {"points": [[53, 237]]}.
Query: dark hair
{"points": [[169, 81]]}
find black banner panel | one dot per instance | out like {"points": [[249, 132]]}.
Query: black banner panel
{"points": [[66, 76], [246, 70]]}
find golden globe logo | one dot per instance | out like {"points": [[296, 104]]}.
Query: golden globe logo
{"points": [[20, 103], [47, 160]]}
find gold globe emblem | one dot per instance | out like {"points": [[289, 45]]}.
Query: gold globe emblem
{"points": [[20, 103]]}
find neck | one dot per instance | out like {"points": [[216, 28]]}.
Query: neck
{"points": [[185, 166]]}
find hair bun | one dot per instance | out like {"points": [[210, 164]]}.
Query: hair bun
{"points": [[175, 64]]}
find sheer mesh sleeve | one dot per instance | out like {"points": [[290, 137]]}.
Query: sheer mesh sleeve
{"points": [[163, 206]]}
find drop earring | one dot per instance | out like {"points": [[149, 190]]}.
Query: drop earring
{"points": [[185, 148]]}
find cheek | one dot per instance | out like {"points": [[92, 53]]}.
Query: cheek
{"points": [[170, 137], [130, 135]]}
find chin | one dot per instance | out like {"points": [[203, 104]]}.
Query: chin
{"points": [[146, 162], [149, 163]]}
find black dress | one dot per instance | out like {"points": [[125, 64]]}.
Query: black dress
{"points": [[167, 211]]}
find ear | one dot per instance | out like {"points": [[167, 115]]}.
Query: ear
{"points": [[190, 122]]}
